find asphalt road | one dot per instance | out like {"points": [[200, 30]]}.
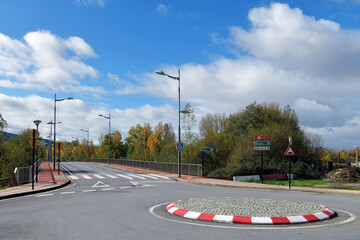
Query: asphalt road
{"points": [[108, 203]]}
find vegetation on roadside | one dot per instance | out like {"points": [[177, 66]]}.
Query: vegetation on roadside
{"points": [[231, 137]]}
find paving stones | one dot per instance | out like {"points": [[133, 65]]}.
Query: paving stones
{"points": [[250, 210]]}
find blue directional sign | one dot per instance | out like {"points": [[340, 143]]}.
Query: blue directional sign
{"points": [[179, 146]]}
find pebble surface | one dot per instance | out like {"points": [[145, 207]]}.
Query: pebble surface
{"points": [[251, 207]]}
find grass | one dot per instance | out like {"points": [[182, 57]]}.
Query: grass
{"points": [[307, 183]]}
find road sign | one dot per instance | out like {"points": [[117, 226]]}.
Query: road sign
{"points": [[206, 149], [179, 146], [262, 148], [290, 140], [262, 138], [262, 143], [31, 142], [290, 152], [34, 133]]}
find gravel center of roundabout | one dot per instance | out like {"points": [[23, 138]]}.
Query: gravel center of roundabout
{"points": [[250, 210]]}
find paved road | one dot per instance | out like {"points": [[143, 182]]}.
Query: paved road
{"points": [[108, 203]]}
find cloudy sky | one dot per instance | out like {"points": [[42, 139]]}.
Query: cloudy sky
{"points": [[104, 53]]}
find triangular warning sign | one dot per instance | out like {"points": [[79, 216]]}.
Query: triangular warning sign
{"points": [[290, 152], [100, 184]]}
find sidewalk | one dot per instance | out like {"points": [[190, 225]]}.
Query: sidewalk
{"points": [[48, 179]]}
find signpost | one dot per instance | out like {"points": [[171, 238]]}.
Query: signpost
{"points": [[206, 149], [261, 143], [290, 152]]}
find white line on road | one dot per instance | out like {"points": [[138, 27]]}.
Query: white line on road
{"points": [[45, 195], [86, 176], [125, 187], [124, 176], [67, 192], [99, 176], [133, 175], [91, 190], [107, 189], [73, 177], [111, 176]]}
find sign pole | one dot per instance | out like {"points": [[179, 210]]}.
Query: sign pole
{"points": [[289, 173], [202, 163], [261, 167]]}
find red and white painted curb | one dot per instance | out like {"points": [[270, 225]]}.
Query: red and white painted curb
{"points": [[320, 216]]}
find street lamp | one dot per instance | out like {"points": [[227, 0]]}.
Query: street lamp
{"points": [[57, 100], [109, 117], [37, 123], [87, 142], [177, 79]]}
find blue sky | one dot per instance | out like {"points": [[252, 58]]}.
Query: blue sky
{"points": [[231, 53]]}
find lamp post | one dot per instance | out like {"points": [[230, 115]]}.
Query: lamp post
{"points": [[109, 117], [184, 111], [57, 100], [37, 123], [87, 142]]}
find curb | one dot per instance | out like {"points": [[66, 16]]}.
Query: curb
{"points": [[320, 216], [35, 191]]}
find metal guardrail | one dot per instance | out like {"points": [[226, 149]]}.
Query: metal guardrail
{"points": [[24, 175], [186, 169]]}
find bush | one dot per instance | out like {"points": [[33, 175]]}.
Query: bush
{"points": [[304, 170]]}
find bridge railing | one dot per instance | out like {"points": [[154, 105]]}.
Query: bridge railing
{"points": [[186, 169], [24, 175]]}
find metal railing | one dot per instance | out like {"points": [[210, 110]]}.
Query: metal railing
{"points": [[24, 175], [186, 169]]}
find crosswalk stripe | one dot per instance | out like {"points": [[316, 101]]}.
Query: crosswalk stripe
{"points": [[86, 176], [155, 175], [98, 176], [137, 176], [152, 177], [111, 176], [124, 176], [73, 177]]}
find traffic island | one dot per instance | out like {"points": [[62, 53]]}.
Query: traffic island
{"points": [[250, 211]]}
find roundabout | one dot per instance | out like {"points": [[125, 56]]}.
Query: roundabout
{"points": [[250, 211]]}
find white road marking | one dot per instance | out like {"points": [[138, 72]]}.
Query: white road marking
{"points": [[111, 176], [125, 187], [155, 175], [137, 176], [67, 192], [124, 176], [99, 176], [152, 177], [100, 184], [86, 176], [73, 177], [107, 189], [45, 195], [90, 190]]}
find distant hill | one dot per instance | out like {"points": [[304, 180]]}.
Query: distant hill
{"points": [[5, 136]]}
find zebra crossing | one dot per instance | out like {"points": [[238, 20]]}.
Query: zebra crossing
{"points": [[138, 177]]}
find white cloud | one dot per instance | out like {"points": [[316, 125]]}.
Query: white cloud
{"points": [[293, 59], [87, 3], [45, 62], [162, 9]]}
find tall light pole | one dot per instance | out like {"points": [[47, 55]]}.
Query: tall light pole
{"points": [[57, 100], [87, 142], [109, 117], [37, 123], [177, 79]]}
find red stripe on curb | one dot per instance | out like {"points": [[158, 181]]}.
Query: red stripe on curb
{"points": [[206, 217], [328, 213], [311, 218], [280, 220], [169, 207], [180, 212], [242, 220]]}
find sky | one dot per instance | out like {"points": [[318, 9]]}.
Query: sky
{"points": [[103, 53]]}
